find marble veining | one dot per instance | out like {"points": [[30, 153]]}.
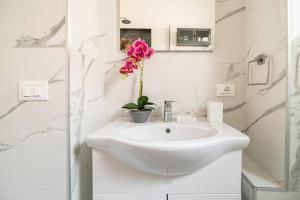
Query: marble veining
{"points": [[4, 146], [12, 109], [235, 107], [295, 173], [80, 93], [263, 91], [231, 13], [52, 80], [260, 92], [28, 41], [33, 134], [268, 112], [233, 73], [8, 146], [295, 122], [266, 33], [281, 77], [78, 102], [258, 30], [221, 1]]}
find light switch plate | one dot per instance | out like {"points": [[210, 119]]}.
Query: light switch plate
{"points": [[33, 90], [226, 90]]}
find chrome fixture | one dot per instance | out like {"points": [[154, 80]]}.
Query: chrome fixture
{"points": [[168, 111], [125, 20], [260, 59]]}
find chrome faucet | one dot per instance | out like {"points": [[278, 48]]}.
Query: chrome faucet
{"points": [[168, 111]]}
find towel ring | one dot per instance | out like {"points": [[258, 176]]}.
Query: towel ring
{"points": [[260, 60]]}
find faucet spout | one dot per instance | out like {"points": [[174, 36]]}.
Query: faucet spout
{"points": [[168, 115]]}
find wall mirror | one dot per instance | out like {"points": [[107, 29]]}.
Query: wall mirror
{"points": [[168, 25]]}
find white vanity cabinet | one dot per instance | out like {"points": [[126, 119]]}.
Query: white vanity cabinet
{"points": [[167, 197], [128, 197], [113, 180], [145, 161], [127, 159]]}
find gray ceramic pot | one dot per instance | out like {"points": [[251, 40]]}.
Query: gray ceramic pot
{"points": [[140, 116]]}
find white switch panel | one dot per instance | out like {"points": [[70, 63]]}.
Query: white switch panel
{"points": [[226, 90], [33, 90]]}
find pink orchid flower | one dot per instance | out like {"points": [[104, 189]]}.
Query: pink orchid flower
{"points": [[136, 54]]}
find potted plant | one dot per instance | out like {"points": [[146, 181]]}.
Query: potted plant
{"points": [[141, 111], [136, 54]]}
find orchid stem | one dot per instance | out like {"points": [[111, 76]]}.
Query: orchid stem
{"points": [[141, 78]]}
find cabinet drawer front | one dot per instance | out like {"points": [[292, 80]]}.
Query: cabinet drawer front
{"points": [[128, 197], [205, 197]]}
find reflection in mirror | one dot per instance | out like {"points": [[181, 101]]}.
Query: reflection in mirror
{"points": [[168, 25], [128, 35]]}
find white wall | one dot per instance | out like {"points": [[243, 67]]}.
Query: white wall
{"points": [[87, 101], [266, 32], [33, 134]]}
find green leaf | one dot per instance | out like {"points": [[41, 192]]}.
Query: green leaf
{"points": [[130, 106], [142, 101], [150, 103]]}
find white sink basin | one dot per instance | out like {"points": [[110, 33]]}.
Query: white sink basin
{"points": [[167, 132], [167, 149]]}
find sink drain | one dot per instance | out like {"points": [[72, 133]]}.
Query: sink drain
{"points": [[168, 131]]}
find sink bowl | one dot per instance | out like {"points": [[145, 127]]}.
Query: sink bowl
{"points": [[167, 132], [167, 149]]}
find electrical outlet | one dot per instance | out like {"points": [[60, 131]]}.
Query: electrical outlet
{"points": [[226, 90]]}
